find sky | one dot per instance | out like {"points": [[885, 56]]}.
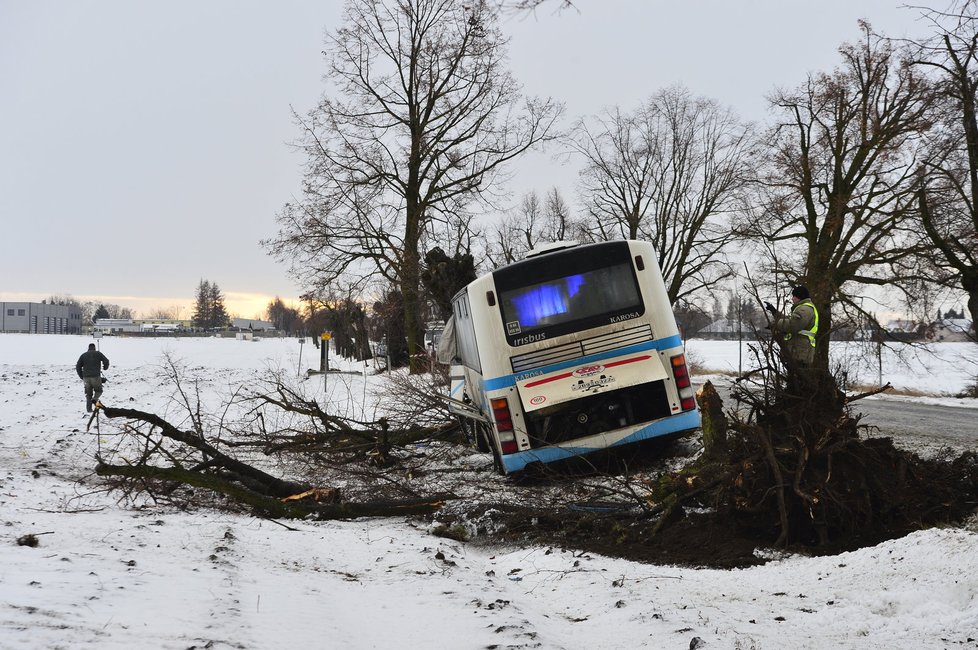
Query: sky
{"points": [[145, 146], [106, 575]]}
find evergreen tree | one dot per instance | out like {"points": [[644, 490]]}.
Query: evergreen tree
{"points": [[219, 314], [444, 276], [101, 312], [202, 305]]}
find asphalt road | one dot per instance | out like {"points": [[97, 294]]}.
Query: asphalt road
{"points": [[925, 428], [928, 425]]}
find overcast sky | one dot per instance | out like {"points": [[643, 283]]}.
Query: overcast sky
{"points": [[144, 145]]}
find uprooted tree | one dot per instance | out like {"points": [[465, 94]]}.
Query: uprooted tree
{"points": [[789, 465]]}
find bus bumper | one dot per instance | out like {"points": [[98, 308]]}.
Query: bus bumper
{"points": [[516, 462]]}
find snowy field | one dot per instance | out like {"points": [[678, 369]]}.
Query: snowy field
{"points": [[937, 370], [109, 577]]}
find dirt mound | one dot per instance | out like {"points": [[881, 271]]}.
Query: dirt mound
{"points": [[879, 492]]}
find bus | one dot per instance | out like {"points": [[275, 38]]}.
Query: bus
{"points": [[570, 351]]}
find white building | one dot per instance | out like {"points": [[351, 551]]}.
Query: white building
{"points": [[950, 329], [115, 325], [251, 325]]}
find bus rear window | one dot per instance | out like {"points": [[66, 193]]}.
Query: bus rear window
{"points": [[562, 292]]}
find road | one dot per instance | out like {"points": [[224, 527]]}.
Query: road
{"points": [[924, 428], [928, 426]]}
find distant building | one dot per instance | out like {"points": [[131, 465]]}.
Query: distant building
{"points": [[904, 330], [949, 329], [144, 326], [251, 325], [726, 329], [39, 318], [115, 325]]}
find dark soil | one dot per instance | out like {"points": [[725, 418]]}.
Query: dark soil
{"points": [[701, 540], [881, 492]]}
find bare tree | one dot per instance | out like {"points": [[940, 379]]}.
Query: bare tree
{"points": [[516, 233], [165, 313], [421, 120], [840, 185], [669, 173], [534, 222], [530, 6], [949, 203], [286, 319], [105, 310], [559, 224]]}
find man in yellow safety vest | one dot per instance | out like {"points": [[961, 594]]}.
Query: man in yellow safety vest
{"points": [[798, 327]]}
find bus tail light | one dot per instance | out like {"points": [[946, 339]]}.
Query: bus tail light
{"points": [[504, 425], [509, 446], [500, 413], [680, 373]]}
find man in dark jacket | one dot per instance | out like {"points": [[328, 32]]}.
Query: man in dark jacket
{"points": [[89, 368]]}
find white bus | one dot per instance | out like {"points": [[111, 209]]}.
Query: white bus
{"points": [[570, 351]]}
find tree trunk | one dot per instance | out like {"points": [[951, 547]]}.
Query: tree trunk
{"points": [[270, 506], [410, 280], [821, 288], [251, 476], [973, 308], [714, 422]]}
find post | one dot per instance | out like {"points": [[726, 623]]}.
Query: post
{"points": [[324, 351], [879, 348], [740, 337], [879, 356], [298, 371]]}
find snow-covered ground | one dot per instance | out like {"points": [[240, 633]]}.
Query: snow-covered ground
{"points": [[938, 370], [110, 577]]}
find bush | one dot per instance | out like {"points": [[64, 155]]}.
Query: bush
{"points": [[970, 391]]}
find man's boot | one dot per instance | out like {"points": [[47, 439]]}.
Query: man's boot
{"points": [[88, 404]]}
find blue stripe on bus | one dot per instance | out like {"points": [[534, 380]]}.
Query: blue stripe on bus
{"points": [[506, 381], [518, 461]]}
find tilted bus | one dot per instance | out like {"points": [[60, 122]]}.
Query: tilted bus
{"points": [[570, 351]]}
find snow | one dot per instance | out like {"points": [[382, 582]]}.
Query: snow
{"points": [[938, 370], [109, 576]]}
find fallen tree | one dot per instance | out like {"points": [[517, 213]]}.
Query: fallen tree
{"points": [[801, 473], [151, 456]]}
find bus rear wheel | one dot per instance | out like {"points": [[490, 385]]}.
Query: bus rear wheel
{"points": [[497, 461], [476, 434]]}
